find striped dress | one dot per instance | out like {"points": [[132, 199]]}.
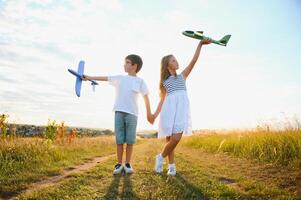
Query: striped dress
{"points": [[175, 113]]}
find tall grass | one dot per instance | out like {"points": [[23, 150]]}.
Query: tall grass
{"points": [[24, 160], [3, 125], [281, 147]]}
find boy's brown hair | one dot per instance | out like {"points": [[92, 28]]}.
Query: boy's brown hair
{"points": [[135, 59]]}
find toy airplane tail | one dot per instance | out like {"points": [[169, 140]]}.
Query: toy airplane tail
{"points": [[225, 40]]}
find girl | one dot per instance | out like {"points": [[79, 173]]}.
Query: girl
{"points": [[174, 107]]}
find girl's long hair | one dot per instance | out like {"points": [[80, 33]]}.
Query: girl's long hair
{"points": [[164, 73]]}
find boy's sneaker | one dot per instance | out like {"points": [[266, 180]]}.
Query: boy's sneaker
{"points": [[159, 163], [128, 168], [118, 169], [172, 170]]}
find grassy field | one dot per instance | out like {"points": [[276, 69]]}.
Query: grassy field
{"points": [[26, 160], [226, 166], [280, 147]]}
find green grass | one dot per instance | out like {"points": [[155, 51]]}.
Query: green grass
{"points": [[282, 147], [199, 177], [99, 183], [26, 160], [201, 174]]}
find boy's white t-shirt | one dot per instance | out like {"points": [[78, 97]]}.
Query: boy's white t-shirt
{"points": [[127, 90]]}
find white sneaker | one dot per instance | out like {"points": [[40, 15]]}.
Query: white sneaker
{"points": [[159, 163], [118, 169], [172, 170], [128, 168]]}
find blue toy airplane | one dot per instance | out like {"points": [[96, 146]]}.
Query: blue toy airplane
{"points": [[79, 76]]}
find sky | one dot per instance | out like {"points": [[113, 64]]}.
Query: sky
{"points": [[255, 79]]}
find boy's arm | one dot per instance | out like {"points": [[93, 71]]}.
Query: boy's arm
{"points": [[148, 109], [195, 57], [95, 78]]}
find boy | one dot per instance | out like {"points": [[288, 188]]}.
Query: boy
{"points": [[126, 108]]}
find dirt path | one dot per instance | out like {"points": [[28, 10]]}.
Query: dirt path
{"points": [[53, 180]]}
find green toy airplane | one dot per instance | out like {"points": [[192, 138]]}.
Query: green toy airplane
{"points": [[199, 35]]}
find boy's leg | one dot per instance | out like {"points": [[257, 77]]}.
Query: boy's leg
{"points": [[119, 153], [171, 155], [130, 135], [171, 145], [119, 134], [129, 151]]}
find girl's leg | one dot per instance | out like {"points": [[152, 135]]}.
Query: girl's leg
{"points": [[119, 153], [171, 155], [171, 145]]}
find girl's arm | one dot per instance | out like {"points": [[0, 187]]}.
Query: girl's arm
{"points": [[195, 57], [95, 78], [158, 110]]}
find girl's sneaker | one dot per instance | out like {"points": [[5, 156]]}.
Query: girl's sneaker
{"points": [[128, 168], [118, 169], [172, 170], [159, 163]]}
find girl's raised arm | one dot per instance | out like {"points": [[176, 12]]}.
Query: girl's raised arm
{"points": [[195, 57]]}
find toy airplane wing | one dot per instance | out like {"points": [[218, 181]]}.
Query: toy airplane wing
{"points": [[78, 82], [196, 35], [199, 36]]}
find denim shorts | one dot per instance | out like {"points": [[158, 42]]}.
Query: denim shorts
{"points": [[125, 128]]}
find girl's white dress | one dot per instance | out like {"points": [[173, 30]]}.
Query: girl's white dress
{"points": [[175, 113]]}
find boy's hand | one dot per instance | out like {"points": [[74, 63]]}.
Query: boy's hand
{"points": [[205, 42], [84, 78], [150, 118]]}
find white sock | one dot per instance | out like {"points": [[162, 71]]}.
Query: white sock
{"points": [[161, 157], [171, 165]]}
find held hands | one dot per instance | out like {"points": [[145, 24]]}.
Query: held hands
{"points": [[151, 118]]}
